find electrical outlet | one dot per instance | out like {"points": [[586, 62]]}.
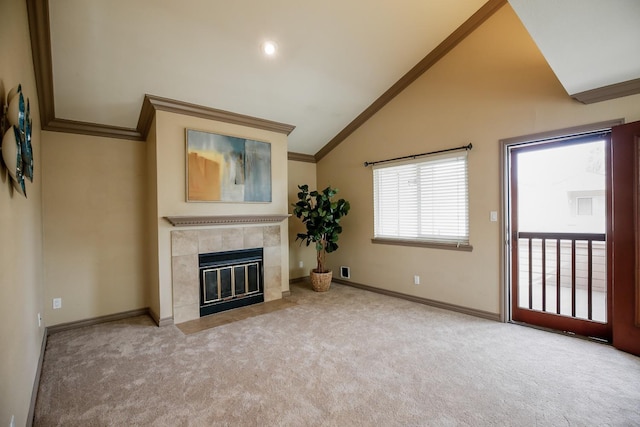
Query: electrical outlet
{"points": [[39, 320], [493, 216], [57, 303], [300, 264], [416, 280]]}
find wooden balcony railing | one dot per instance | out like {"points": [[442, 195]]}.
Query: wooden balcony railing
{"points": [[549, 262]]}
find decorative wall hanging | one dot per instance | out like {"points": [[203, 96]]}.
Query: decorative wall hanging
{"points": [[15, 128], [223, 168]]}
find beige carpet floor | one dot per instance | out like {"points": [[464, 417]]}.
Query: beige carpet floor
{"points": [[343, 358]]}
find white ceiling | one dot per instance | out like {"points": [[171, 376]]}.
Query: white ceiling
{"points": [[588, 43], [335, 57]]}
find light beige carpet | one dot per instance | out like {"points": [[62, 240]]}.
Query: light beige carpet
{"points": [[343, 358]]}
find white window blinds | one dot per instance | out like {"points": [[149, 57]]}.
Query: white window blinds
{"points": [[425, 199]]}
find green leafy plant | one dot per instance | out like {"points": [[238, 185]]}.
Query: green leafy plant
{"points": [[321, 215]]}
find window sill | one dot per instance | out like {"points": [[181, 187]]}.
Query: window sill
{"points": [[422, 244]]}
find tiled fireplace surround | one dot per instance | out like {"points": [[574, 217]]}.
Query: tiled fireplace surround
{"points": [[186, 245]]}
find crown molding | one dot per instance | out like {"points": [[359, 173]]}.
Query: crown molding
{"points": [[40, 31], [299, 157], [617, 90], [484, 13], [93, 129], [145, 119], [38, 16], [187, 109]]}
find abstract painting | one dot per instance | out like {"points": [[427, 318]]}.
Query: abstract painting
{"points": [[223, 168]]}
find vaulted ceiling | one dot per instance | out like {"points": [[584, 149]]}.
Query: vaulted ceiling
{"points": [[593, 46], [336, 63]]}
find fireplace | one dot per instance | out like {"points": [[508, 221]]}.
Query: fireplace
{"points": [[188, 245], [230, 279]]}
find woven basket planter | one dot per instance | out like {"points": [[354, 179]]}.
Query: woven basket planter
{"points": [[321, 282]]}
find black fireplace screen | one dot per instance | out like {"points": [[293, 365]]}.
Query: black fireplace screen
{"points": [[230, 280]]}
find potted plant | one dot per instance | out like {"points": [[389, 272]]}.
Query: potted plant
{"points": [[321, 216]]}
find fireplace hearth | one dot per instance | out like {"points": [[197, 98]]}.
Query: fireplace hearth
{"points": [[230, 280]]}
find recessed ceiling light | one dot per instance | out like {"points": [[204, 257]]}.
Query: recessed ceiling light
{"points": [[269, 48]]}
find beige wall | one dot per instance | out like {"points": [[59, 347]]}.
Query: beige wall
{"points": [[299, 173], [170, 157], [21, 230], [94, 195], [494, 85], [153, 288]]}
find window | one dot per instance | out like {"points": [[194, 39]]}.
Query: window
{"points": [[585, 206], [422, 201]]}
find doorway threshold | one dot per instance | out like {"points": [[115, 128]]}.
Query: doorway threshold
{"points": [[559, 332]]}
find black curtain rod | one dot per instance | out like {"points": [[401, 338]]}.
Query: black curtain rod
{"points": [[413, 156]]}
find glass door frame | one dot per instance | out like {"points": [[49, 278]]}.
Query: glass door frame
{"points": [[507, 146]]}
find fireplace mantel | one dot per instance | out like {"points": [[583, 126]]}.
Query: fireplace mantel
{"points": [[198, 220]]}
